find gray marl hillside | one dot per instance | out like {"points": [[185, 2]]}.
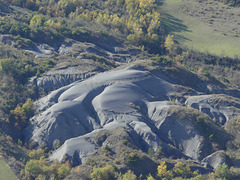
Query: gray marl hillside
{"points": [[158, 106]]}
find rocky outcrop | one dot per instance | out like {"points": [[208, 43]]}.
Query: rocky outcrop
{"points": [[41, 50], [76, 62], [219, 107], [216, 159], [58, 78], [133, 98]]}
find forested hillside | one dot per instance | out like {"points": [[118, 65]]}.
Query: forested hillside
{"points": [[120, 89], [137, 21]]}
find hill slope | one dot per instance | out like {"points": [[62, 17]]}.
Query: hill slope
{"points": [[138, 98], [84, 102]]}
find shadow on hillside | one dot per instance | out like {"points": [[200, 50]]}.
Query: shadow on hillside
{"points": [[173, 25]]}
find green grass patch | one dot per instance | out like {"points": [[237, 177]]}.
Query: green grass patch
{"points": [[5, 171], [191, 32]]}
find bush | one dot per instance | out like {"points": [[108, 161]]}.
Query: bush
{"points": [[42, 168], [36, 153], [107, 148], [129, 175], [63, 171], [58, 144], [21, 114], [33, 169], [132, 159], [107, 173], [162, 169], [222, 171], [181, 170]]}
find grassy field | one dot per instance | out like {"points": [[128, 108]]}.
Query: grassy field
{"points": [[5, 172], [196, 34]]}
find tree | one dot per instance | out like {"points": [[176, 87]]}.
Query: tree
{"points": [[129, 175], [181, 170], [149, 177], [33, 169], [162, 169], [107, 173], [36, 153], [169, 44], [63, 171], [222, 171], [132, 159], [36, 21]]}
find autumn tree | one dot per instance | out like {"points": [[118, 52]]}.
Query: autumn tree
{"points": [[162, 169], [169, 44], [129, 175], [107, 172]]}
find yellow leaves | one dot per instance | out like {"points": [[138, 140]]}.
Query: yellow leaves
{"points": [[146, 4], [169, 44], [162, 169], [63, 171], [129, 175], [200, 70], [116, 21], [107, 172], [182, 170], [36, 153], [42, 167], [36, 20], [21, 113], [155, 23], [150, 177], [18, 112]]}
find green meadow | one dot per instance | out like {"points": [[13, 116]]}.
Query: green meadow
{"points": [[5, 171], [192, 33]]}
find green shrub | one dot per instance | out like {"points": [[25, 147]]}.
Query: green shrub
{"points": [[132, 159], [107, 148], [107, 173], [222, 171], [181, 170], [125, 142], [150, 152], [33, 168], [129, 175], [58, 144]]}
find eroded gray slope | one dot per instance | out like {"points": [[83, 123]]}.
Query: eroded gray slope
{"points": [[219, 107], [90, 105], [133, 98], [76, 61]]}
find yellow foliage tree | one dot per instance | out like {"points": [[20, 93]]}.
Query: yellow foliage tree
{"points": [[150, 177], [169, 44], [162, 169], [36, 21], [108, 172], [146, 4]]}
